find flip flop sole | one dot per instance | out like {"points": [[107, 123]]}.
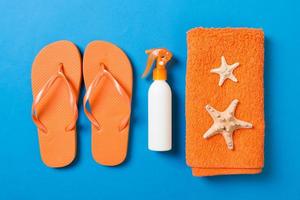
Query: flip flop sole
{"points": [[57, 146], [109, 145]]}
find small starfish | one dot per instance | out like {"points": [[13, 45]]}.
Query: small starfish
{"points": [[225, 123], [225, 71]]}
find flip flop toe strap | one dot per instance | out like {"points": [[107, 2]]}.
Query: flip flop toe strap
{"points": [[60, 74], [121, 91]]}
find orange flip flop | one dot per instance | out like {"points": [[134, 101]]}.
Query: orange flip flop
{"points": [[56, 78], [107, 75]]}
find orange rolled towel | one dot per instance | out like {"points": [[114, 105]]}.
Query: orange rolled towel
{"points": [[224, 101]]}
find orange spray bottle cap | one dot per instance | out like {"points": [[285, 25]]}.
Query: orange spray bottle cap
{"points": [[162, 56]]}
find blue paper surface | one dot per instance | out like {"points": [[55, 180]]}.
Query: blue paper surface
{"points": [[27, 26]]}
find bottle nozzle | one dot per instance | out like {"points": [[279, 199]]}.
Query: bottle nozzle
{"points": [[162, 56]]}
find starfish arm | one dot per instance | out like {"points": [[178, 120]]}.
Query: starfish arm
{"points": [[223, 61], [233, 66], [233, 78], [231, 108], [228, 139], [212, 112], [243, 124], [213, 130], [221, 81], [215, 70]]}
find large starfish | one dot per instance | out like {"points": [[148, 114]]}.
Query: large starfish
{"points": [[225, 71], [225, 123]]}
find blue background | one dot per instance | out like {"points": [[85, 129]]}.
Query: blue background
{"points": [[27, 26]]}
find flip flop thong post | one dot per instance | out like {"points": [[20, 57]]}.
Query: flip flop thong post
{"points": [[56, 78], [107, 75]]}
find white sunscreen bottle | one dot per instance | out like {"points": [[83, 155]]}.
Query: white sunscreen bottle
{"points": [[159, 102]]}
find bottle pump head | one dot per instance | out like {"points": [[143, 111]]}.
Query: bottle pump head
{"points": [[162, 57]]}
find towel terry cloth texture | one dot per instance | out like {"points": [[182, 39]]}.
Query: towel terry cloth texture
{"points": [[206, 46]]}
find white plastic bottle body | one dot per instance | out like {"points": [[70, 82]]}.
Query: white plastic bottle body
{"points": [[160, 116]]}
